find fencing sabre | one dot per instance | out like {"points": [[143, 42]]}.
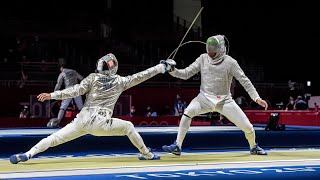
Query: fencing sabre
{"points": [[194, 20]]}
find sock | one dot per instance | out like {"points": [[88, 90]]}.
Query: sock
{"points": [[251, 137], [183, 129], [43, 145]]}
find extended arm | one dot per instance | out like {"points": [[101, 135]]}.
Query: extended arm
{"points": [[73, 91], [188, 72], [137, 78]]}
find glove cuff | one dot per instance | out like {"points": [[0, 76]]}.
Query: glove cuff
{"points": [[163, 68]]}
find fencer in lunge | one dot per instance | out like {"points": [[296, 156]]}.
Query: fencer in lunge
{"points": [[217, 70], [102, 90]]}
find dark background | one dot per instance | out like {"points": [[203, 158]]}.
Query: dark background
{"points": [[280, 36]]}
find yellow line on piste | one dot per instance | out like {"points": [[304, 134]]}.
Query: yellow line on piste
{"points": [[38, 164]]}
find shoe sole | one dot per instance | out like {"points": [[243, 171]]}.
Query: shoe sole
{"points": [[141, 158], [258, 153]]}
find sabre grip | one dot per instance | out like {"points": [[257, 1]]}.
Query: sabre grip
{"points": [[169, 64]]}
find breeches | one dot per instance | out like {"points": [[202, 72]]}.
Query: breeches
{"points": [[228, 108], [84, 124]]}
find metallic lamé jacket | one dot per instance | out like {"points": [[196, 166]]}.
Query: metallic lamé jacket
{"points": [[102, 91], [70, 77], [216, 79]]}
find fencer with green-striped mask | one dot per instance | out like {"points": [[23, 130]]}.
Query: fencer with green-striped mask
{"points": [[216, 48]]}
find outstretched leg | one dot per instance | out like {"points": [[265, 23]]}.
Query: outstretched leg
{"points": [[67, 133]]}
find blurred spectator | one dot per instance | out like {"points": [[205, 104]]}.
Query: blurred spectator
{"points": [[36, 48], [20, 48], [307, 97], [300, 104], [290, 104], [25, 113], [105, 29], [179, 106], [11, 57], [150, 112], [132, 111], [316, 107], [23, 79], [24, 59]]}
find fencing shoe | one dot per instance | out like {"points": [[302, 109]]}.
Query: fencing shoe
{"points": [[173, 148], [148, 156], [53, 123], [257, 151], [14, 159]]}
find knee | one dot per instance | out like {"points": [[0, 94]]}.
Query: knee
{"points": [[54, 140], [129, 128], [189, 113], [248, 129], [50, 141]]}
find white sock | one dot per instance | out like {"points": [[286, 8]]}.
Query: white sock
{"points": [[251, 137], [183, 129], [43, 145]]}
